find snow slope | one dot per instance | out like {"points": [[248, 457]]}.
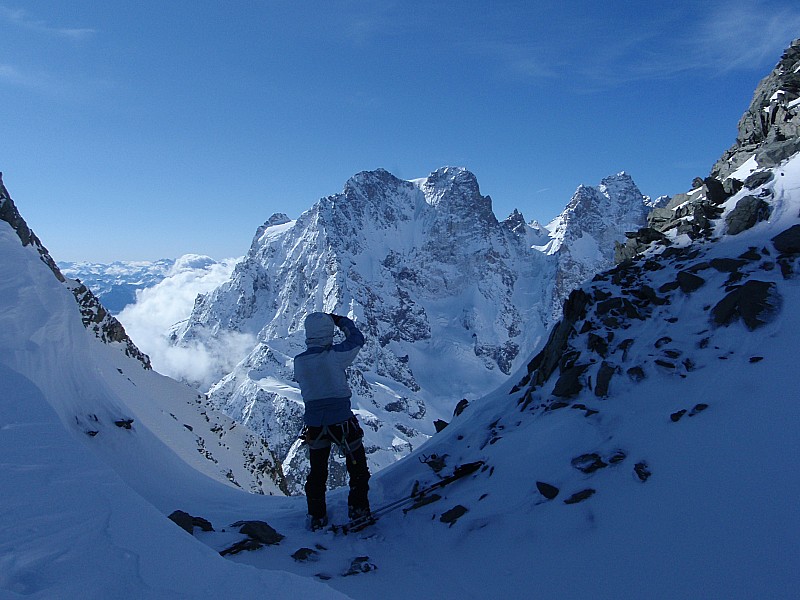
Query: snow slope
{"points": [[651, 502], [84, 513]]}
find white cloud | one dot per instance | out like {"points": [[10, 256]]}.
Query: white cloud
{"points": [[158, 308], [744, 34], [21, 18]]}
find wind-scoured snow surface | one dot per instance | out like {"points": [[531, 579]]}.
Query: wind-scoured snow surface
{"points": [[95, 451]]}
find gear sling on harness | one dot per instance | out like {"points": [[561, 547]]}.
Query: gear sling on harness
{"points": [[350, 437]]}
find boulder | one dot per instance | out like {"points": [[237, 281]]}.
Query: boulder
{"points": [[462, 404], [187, 522], [454, 514], [758, 179], [747, 212], [259, 531], [689, 282], [569, 383], [727, 265], [588, 463], [360, 564], [604, 375], [774, 153], [715, 192], [306, 555], [788, 241], [756, 302], [547, 490], [642, 471], [580, 496], [636, 373], [732, 186], [597, 343]]}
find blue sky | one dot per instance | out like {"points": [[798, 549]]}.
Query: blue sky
{"points": [[144, 130]]}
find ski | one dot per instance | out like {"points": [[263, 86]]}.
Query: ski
{"points": [[416, 496]]}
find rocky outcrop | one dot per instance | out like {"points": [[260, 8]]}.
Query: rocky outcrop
{"points": [[770, 129], [769, 132], [10, 214], [755, 302], [689, 214], [104, 325], [597, 338], [788, 241]]}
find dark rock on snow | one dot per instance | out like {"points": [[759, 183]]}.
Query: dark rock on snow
{"points": [[454, 514], [569, 383], [306, 555], [258, 534], [588, 463], [788, 241], [359, 565], [187, 522], [676, 416], [756, 302], [604, 375], [747, 212], [580, 496], [547, 490], [642, 471]]}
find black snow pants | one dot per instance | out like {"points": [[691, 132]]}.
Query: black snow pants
{"points": [[348, 435]]}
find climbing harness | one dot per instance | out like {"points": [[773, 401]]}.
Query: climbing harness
{"points": [[349, 439]]}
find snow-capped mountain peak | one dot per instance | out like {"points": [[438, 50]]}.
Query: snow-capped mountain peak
{"points": [[431, 276]]}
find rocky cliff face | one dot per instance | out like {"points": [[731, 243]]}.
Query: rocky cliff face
{"points": [[769, 130], [768, 134], [95, 317], [447, 296]]}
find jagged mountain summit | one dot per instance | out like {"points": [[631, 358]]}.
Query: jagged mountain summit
{"points": [[435, 281], [583, 236]]}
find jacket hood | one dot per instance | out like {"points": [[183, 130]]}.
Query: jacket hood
{"points": [[319, 329]]}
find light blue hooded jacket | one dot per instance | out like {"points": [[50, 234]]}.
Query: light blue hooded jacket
{"points": [[320, 370]]}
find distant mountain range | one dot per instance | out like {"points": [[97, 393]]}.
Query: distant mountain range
{"points": [[116, 283]]}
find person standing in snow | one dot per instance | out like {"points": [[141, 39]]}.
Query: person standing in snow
{"points": [[320, 372]]}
